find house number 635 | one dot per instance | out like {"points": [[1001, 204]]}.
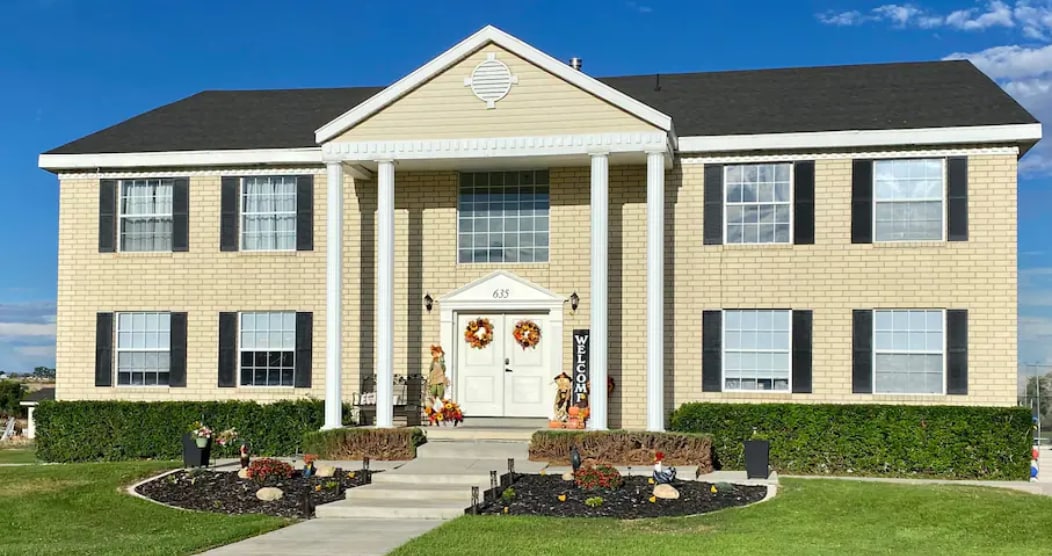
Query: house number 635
{"points": [[501, 293]]}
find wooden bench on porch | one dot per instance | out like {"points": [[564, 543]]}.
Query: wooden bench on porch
{"points": [[408, 393]]}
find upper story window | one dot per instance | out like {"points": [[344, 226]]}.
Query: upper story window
{"points": [[756, 353], [146, 215], [758, 203], [908, 347], [908, 198], [268, 213], [143, 345], [503, 217], [268, 349]]}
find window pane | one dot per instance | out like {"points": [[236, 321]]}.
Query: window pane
{"points": [[757, 204], [267, 350], [756, 350], [909, 351], [146, 215], [505, 221], [268, 213], [908, 196]]}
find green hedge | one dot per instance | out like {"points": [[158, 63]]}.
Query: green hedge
{"points": [[954, 442], [353, 444], [115, 430]]}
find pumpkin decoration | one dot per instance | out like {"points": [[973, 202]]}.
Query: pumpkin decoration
{"points": [[478, 333], [574, 411], [556, 424], [574, 423], [527, 334]]}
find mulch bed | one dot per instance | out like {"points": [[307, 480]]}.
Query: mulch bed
{"points": [[538, 495], [225, 492]]}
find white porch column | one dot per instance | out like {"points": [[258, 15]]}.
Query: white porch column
{"points": [[655, 291], [333, 299], [598, 342], [385, 294]]}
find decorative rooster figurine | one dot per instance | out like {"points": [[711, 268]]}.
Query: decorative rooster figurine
{"points": [[575, 458], [662, 476]]}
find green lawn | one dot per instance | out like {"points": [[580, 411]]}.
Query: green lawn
{"points": [[18, 455], [809, 516], [83, 509]]}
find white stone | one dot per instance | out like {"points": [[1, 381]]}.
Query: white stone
{"points": [[243, 473], [269, 494], [666, 492], [325, 471], [568, 476]]}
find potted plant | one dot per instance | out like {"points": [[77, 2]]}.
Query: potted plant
{"points": [[197, 448], [757, 456], [201, 434]]}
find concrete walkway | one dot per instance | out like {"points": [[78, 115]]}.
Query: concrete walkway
{"points": [[357, 537]]}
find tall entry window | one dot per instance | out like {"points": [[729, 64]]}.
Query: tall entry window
{"points": [[503, 217]]}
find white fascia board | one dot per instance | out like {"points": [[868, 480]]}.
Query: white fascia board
{"points": [[464, 48], [1010, 133], [306, 155]]}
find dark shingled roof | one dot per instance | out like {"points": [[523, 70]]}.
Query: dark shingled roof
{"points": [[833, 98], [43, 394]]}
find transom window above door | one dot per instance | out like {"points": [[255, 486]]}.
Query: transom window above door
{"points": [[503, 217], [758, 203]]}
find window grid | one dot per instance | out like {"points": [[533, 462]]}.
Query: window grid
{"points": [[757, 346], [909, 351], [145, 210], [503, 217], [268, 348], [143, 345], [908, 198], [268, 213], [757, 203]]}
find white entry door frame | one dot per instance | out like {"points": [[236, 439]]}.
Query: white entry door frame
{"points": [[501, 292]]}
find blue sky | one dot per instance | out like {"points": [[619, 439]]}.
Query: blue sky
{"points": [[70, 67]]}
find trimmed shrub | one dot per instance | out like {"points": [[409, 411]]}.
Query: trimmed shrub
{"points": [[118, 430], [269, 470], [600, 476], [953, 442], [623, 447], [353, 444]]}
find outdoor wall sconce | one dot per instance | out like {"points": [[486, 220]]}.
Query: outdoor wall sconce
{"points": [[574, 301], [428, 302]]}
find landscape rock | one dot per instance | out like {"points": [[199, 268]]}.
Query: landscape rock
{"points": [[666, 492], [325, 471], [568, 476], [269, 494], [243, 473]]}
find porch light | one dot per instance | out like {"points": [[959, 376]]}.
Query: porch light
{"points": [[574, 301], [428, 302]]}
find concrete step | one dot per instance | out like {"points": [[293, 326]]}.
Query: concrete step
{"points": [[392, 509], [411, 492], [479, 433], [474, 449], [437, 478]]}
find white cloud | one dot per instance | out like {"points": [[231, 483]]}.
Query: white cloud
{"points": [[899, 15], [15, 329], [1034, 18], [842, 19], [998, 14], [36, 351]]}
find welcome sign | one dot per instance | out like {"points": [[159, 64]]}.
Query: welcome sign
{"points": [[580, 367]]}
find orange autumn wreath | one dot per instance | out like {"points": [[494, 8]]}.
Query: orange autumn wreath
{"points": [[479, 333], [527, 334]]}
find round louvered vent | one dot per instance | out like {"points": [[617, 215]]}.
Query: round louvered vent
{"points": [[491, 80]]}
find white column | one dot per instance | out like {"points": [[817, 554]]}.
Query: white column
{"points": [[333, 299], [598, 342], [655, 291], [31, 427], [385, 294]]}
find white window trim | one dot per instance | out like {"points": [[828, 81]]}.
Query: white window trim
{"points": [[502, 263], [119, 242], [723, 354], [117, 350], [241, 220], [873, 202], [237, 378], [791, 202], [873, 354]]}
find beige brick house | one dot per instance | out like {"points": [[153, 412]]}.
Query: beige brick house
{"points": [[837, 234]]}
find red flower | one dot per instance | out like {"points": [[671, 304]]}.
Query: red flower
{"points": [[659, 456]]}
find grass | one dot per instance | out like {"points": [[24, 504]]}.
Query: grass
{"points": [[83, 509], [809, 516], [18, 455]]}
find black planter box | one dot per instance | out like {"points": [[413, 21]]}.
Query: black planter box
{"points": [[757, 459], [194, 456]]}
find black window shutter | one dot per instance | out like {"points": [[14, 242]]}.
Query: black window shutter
{"points": [[804, 202], [713, 217], [957, 351], [304, 335], [712, 351], [862, 201], [181, 215], [957, 198], [802, 323], [230, 206], [227, 350], [862, 352], [107, 216], [104, 349], [305, 213], [177, 351]]}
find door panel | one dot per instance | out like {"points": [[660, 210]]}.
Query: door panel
{"points": [[525, 392], [480, 372]]}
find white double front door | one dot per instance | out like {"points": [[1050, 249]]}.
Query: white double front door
{"points": [[503, 379]]}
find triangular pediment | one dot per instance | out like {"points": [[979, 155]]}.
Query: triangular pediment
{"points": [[500, 286]]}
